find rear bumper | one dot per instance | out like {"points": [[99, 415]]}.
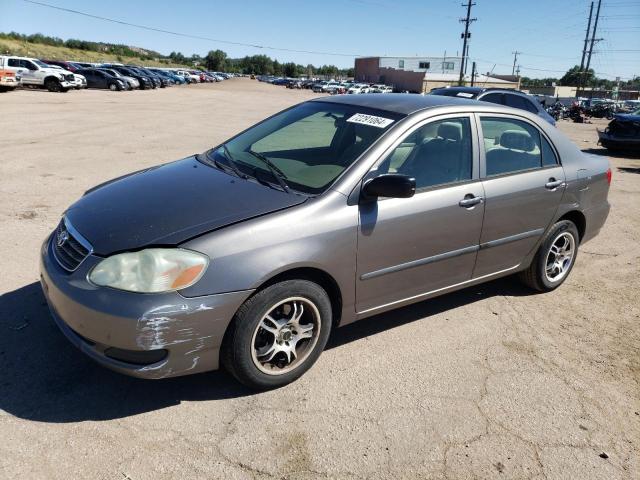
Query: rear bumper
{"points": [[142, 335]]}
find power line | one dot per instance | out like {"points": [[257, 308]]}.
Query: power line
{"points": [[187, 35]]}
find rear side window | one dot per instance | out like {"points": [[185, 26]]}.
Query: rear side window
{"points": [[510, 146], [13, 62], [493, 98], [548, 155], [516, 101]]}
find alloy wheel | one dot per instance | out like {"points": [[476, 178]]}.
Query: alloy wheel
{"points": [[560, 257], [285, 336]]}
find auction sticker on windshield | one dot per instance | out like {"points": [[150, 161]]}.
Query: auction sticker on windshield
{"points": [[371, 120]]}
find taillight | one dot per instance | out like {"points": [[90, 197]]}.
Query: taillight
{"points": [[609, 176]]}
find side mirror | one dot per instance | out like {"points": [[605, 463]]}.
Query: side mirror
{"points": [[390, 185]]}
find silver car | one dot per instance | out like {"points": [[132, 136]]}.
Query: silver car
{"points": [[247, 256]]}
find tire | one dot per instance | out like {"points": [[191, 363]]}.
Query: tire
{"points": [[544, 274], [52, 85], [113, 87], [253, 337]]}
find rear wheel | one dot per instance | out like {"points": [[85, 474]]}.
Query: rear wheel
{"points": [[555, 258], [278, 334]]}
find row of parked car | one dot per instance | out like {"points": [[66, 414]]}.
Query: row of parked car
{"points": [[332, 87], [62, 76]]}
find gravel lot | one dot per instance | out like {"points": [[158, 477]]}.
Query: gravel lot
{"points": [[489, 382]]}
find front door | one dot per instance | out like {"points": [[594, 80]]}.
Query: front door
{"points": [[523, 183], [409, 247]]}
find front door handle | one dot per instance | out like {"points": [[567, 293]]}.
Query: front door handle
{"points": [[552, 184], [470, 200]]}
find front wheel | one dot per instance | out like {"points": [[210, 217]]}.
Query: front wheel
{"points": [[52, 85], [555, 258], [113, 87], [278, 334]]}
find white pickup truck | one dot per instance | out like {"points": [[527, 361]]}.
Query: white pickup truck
{"points": [[38, 74]]}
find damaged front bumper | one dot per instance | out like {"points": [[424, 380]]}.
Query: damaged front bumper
{"points": [[143, 335]]}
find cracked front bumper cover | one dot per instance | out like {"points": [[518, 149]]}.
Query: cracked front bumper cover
{"points": [[98, 320]]}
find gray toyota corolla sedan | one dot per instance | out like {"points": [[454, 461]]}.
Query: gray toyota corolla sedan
{"points": [[337, 209]]}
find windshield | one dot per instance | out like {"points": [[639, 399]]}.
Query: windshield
{"points": [[41, 64], [309, 145]]}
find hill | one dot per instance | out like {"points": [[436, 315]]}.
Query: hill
{"points": [[55, 52]]}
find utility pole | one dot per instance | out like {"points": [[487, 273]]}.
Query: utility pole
{"points": [[466, 35], [473, 73], [586, 38], [593, 41], [515, 59]]}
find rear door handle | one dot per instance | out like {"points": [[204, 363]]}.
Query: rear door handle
{"points": [[552, 184], [470, 200]]}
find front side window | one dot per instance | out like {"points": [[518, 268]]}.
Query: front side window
{"points": [[435, 154], [310, 144], [510, 145]]}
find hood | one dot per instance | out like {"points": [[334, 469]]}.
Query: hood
{"points": [[169, 204], [627, 117]]}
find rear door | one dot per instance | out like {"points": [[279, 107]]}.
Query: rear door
{"points": [[523, 184]]}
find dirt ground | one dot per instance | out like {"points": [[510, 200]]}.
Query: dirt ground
{"points": [[490, 382]]}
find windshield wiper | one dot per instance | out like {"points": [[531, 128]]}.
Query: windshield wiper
{"points": [[230, 162], [277, 173]]}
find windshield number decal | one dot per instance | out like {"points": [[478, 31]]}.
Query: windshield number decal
{"points": [[370, 120], [464, 94]]}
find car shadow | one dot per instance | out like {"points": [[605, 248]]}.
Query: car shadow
{"points": [[612, 153], [44, 378], [629, 169]]}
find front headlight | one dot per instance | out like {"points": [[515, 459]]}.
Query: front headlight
{"points": [[152, 270]]}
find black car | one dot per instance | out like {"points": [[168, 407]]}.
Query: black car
{"points": [[509, 98], [100, 79], [157, 79], [145, 81]]}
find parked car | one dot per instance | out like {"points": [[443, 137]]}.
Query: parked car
{"points": [[130, 82], [79, 80], [144, 81], [177, 79], [70, 66], [188, 76], [359, 88], [35, 73], [8, 80], [97, 78], [510, 98], [248, 255], [157, 79], [622, 133], [381, 89]]}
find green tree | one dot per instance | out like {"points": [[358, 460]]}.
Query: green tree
{"points": [[215, 60], [573, 77]]}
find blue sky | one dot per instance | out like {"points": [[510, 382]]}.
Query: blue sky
{"points": [[549, 33]]}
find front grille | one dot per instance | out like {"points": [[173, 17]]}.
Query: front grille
{"points": [[69, 77], [69, 248]]}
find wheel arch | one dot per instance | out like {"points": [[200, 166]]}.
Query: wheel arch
{"points": [[316, 275], [578, 219], [50, 77]]}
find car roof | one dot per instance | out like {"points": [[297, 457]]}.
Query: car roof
{"points": [[403, 103]]}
